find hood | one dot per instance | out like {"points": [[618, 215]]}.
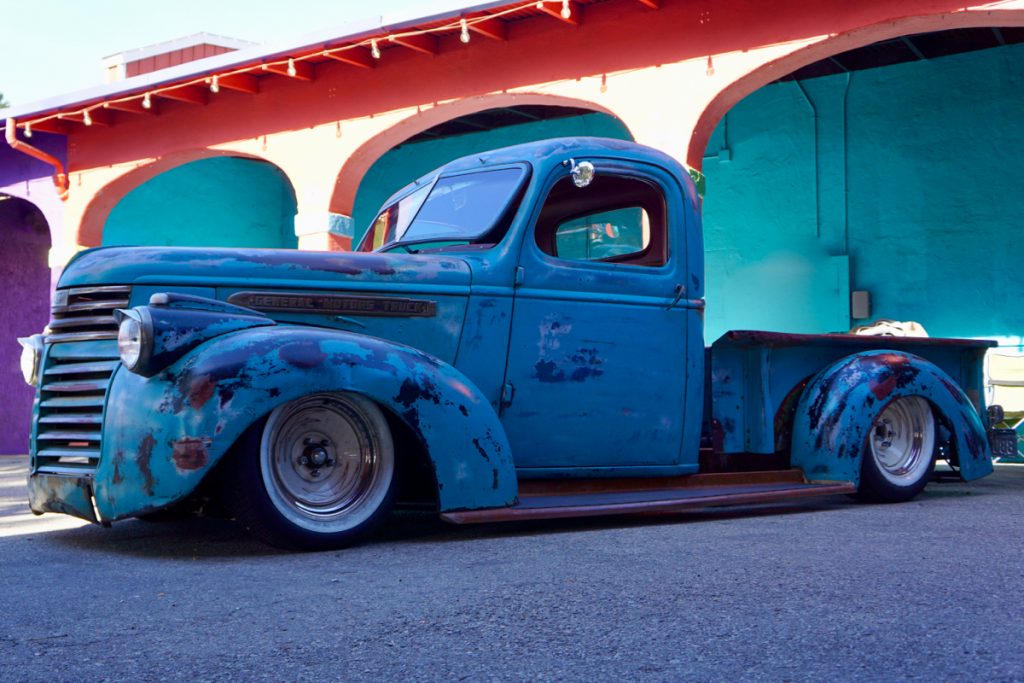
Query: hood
{"points": [[256, 267]]}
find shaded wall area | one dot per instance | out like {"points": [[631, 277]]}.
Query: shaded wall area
{"points": [[902, 181], [405, 163], [220, 202], [25, 281]]}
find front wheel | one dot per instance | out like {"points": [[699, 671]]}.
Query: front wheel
{"points": [[900, 451], [324, 477]]}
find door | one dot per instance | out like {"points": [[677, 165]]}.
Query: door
{"points": [[597, 359]]}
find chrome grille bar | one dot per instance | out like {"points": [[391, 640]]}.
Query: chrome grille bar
{"points": [[86, 313]]}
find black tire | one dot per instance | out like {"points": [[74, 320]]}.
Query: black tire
{"points": [[899, 453], [319, 475]]}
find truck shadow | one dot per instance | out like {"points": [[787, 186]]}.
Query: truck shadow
{"points": [[205, 537], [209, 537]]}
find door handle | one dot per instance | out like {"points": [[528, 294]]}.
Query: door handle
{"points": [[679, 292]]}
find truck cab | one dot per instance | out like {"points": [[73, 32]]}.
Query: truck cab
{"points": [[518, 335]]}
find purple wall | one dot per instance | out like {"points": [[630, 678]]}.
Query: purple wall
{"points": [[29, 210]]}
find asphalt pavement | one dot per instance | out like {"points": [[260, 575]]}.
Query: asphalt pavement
{"points": [[827, 590]]}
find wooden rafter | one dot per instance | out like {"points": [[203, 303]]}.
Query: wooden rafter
{"points": [[304, 71], [98, 116], [426, 43], [246, 83], [356, 56], [131, 106], [193, 94], [48, 126], [490, 28], [554, 8], [652, 4]]}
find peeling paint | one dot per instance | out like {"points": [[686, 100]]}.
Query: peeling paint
{"points": [[190, 453], [143, 460]]}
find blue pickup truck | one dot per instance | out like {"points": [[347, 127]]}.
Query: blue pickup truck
{"points": [[517, 336]]}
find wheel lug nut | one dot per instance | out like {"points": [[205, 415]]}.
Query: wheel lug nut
{"points": [[304, 460]]}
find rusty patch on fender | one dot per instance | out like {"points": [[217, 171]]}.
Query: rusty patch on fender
{"points": [[190, 453], [118, 459], [145, 454], [884, 388], [200, 391]]}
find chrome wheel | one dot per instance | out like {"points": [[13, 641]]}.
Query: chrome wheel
{"points": [[902, 441], [327, 462]]}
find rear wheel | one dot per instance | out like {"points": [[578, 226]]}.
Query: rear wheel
{"points": [[900, 451], [324, 476]]}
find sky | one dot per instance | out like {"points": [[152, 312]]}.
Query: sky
{"points": [[50, 47]]}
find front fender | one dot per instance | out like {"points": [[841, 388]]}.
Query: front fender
{"points": [[163, 434], [838, 407]]}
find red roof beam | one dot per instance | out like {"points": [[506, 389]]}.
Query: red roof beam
{"points": [[353, 56], [495, 29], [427, 44], [46, 126], [87, 117], [570, 12], [652, 4], [246, 83], [192, 94], [302, 71], [131, 106]]}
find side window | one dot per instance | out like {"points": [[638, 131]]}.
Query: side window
{"points": [[614, 219], [624, 232]]}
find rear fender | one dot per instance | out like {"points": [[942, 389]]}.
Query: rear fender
{"points": [[835, 414], [163, 434]]}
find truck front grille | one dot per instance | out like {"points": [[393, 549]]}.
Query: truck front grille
{"points": [[86, 313], [71, 400]]}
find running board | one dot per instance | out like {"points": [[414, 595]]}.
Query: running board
{"points": [[564, 498]]}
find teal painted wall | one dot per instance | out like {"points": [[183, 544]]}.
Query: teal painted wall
{"points": [[901, 180], [221, 202], [405, 163]]}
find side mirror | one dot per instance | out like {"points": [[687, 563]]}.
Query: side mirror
{"points": [[582, 172]]}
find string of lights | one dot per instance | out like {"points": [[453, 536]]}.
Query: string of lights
{"points": [[290, 65]]}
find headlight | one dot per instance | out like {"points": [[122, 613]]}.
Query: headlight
{"points": [[31, 357], [134, 337]]}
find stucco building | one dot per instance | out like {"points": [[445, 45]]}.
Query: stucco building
{"points": [[847, 147]]}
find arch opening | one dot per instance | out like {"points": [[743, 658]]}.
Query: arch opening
{"points": [[223, 201], [25, 279], [887, 170], [468, 134]]}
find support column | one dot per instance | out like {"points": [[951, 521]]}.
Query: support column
{"points": [[323, 231]]}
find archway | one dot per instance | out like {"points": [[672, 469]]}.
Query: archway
{"points": [[887, 170], [467, 134], [224, 201], [25, 278]]}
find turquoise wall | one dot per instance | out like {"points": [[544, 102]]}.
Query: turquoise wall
{"points": [[404, 164], [221, 202], [902, 181]]}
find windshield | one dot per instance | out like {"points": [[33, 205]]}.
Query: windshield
{"points": [[454, 210]]}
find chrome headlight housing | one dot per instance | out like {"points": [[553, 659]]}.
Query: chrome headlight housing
{"points": [[31, 357], [134, 337]]}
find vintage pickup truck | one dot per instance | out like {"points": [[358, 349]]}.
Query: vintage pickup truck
{"points": [[518, 336]]}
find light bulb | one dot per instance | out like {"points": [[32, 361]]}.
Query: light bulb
{"points": [[540, 4], [604, 82], [146, 102], [86, 119], [374, 50], [28, 130], [710, 71], [566, 12], [214, 84], [291, 67], [464, 34]]}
